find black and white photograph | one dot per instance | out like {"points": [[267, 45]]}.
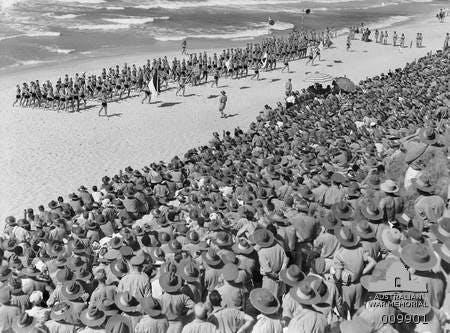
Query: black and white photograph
{"points": [[224, 166]]}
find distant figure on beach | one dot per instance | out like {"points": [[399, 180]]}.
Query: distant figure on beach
{"points": [[316, 52], [216, 79], [222, 104], [104, 100], [386, 35], [377, 34], [311, 54], [147, 94], [288, 87], [183, 47], [349, 43], [286, 65], [181, 84], [402, 40], [419, 40], [18, 96], [441, 15], [394, 39], [256, 71], [446, 41]]}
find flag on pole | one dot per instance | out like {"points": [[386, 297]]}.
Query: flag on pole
{"points": [[153, 84]]}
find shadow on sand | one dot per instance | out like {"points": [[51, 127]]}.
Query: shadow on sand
{"points": [[168, 104], [231, 115]]}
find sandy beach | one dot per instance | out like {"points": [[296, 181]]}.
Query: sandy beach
{"points": [[45, 154]]}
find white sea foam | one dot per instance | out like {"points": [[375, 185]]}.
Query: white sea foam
{"points": [[33, 34], [136, 20], [385, 23], [59, 51], [256, 30], [115, 8], [64, 16], [119, 23], [104, 27]]}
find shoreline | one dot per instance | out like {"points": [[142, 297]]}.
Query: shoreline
{"points": [[139, 54], [48, 154]]}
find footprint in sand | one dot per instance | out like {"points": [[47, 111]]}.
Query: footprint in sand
{"points": [[329, 65]]}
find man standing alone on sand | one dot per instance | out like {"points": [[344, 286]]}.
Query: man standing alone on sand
{"points": [[222, 103], [288, 87]]}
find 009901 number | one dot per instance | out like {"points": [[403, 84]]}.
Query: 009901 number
{"points": [[401, 318]]}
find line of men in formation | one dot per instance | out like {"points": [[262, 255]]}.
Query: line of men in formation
{"points": [[71, 93]]}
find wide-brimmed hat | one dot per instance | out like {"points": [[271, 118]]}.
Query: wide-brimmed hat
{"points": [[391, 239], [242, 246], [126, 302], [342, 210], [223, 239], [175, 246], [364, 230], [346, 237], [119, 267], [30, 272], [64, 275], [116, 243], [428, 136], [119, 324], [371, 212], [151, 306], [442, 229], [170, 282], [305, 294], [211, 258], [92, 317], [158, 256], [56, 249], [193, 237], [72, 290], [320, 287], [188, 270], [418, 256], [389, 186], [292, 275], [263, 237], [164, 237], [60, 311], [423, 183], [264, 301], [137, 260], [109, 307]]}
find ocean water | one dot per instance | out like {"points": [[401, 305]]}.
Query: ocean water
{"points": [[42, 31]]}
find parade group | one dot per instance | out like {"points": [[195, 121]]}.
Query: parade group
{"points": [[279, 228]]}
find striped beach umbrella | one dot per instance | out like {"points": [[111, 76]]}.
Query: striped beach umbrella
{"points": [[318, 77]]}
